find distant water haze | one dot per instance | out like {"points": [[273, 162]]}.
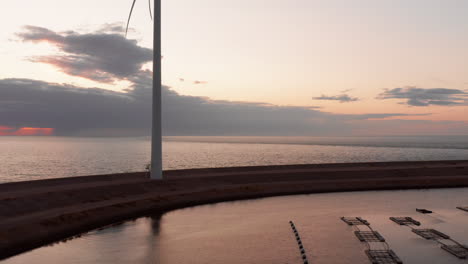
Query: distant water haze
{"points": [[443, 142], [35, 158]]}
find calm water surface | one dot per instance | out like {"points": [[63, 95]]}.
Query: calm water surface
{"points": [[257, 231], [33, 158]]}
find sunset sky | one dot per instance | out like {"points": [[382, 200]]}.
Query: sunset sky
{"points": [[361, 67]]}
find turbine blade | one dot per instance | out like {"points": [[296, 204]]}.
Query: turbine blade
{"points": [[151, 13], [129, 16]]}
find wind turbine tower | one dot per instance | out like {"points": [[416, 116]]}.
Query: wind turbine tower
{"points": [[156, 134]]}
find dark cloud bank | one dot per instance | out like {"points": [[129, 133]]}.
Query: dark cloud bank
{"points": [[415, 96], [342, 98], [105, 56], [97, 112]]}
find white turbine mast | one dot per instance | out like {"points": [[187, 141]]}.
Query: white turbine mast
{"points": [[156, 136]]}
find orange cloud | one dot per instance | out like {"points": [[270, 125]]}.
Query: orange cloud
{"points": [[26, 131]]}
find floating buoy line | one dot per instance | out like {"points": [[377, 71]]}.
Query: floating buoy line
{"points": [[299, 243]]}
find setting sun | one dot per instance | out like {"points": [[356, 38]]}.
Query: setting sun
{"points": [[26, 131]]}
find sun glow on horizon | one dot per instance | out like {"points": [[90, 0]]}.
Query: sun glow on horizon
{"points": [[26, 131]]}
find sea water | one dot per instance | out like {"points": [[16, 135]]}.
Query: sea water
{"points": [[34, 158]]}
